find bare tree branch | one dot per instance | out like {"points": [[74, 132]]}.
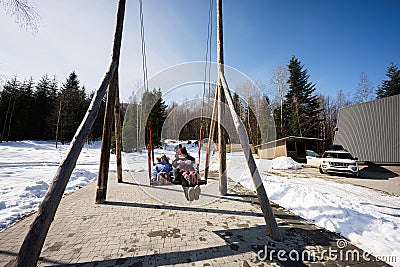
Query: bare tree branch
{"points": [[364, 89], [3, 77], [24, 13]]}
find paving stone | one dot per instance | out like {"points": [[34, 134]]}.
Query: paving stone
{"points": [[137, 227]]}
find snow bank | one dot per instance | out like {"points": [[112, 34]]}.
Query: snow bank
{"points": [[285, 163], [368, 218], [27, 169]]}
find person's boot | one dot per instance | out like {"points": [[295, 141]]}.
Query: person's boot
{"points": [[185, 191], [191, 194]]}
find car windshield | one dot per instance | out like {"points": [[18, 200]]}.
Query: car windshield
{"points": [[312, 154], [337, 155]]}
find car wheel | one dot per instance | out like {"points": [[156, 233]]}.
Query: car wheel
{"points": [[321, 171], [356, 174]]}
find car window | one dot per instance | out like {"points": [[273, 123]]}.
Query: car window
{"points": [[337, 155], [345, 156], [312, 154]]}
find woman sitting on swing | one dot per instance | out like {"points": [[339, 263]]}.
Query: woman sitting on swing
{"points": [[185, 173]]}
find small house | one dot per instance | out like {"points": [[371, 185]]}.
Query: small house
{"points": [[291, 146]]}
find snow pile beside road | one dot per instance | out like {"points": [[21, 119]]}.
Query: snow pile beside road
{"points": [[285, 163], [368, 218]]}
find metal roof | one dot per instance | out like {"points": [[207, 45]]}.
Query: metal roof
{"points": [[293, 138]]}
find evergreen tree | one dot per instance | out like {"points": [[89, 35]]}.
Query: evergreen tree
{"points": [[16, 108], [130, 129], [73, 104], [157, 116], [301, 108], [24, 115], [29, 111], [9, 96], [97, 129], [391, 86], [44, 107]]}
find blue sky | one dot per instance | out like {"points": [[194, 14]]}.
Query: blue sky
{"points": [[335, 40]]}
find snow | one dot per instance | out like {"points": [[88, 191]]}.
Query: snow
{"points": [[27, 169], [285, 163], [368, 218]]}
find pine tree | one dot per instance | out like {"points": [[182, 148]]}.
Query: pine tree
{"points": [[301, 108], [44, 106], [154, 111], [157, 116], [391, 86], [97, 129], [130, 129], [9, 95], [24, 111], [73, 102], [16, 108]]}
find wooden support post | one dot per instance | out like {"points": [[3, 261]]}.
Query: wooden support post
{"points": [[102, 180], [118, 133], [31, 247], [101, 193], [223, 187], [255, 175], [223, 179]]}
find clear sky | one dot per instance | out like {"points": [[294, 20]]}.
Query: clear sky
{"points": [[336, 40]]}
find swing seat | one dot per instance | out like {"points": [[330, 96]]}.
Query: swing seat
{"points": [[163, 178], [172, 180], [200, 181]]}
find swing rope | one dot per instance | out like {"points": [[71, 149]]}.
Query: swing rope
{"points": [[144, 59], [149, 131], [207, 67]]}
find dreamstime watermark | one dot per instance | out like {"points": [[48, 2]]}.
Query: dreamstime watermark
{"points": [[339, 254]]}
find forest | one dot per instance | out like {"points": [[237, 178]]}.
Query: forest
{"points": [[44, 110], [290, 105]]}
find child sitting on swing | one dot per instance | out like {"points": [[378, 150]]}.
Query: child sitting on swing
{"points": [[161, 169], [187, 175]]}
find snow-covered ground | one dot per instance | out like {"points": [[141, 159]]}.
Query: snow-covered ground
{"points": [[368, 218], [28, 167]]}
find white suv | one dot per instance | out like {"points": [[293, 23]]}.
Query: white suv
{"points": [[338, 161]]}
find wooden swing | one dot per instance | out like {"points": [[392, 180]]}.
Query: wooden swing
{"points": [[162, 180]]}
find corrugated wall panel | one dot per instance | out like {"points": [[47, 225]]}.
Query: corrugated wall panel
{"points": [[371, 130]]}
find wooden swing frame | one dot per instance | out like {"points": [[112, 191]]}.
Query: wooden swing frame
{"points": [[33, 243]]}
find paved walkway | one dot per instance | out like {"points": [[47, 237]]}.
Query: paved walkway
{"points": [[140, 225]]}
